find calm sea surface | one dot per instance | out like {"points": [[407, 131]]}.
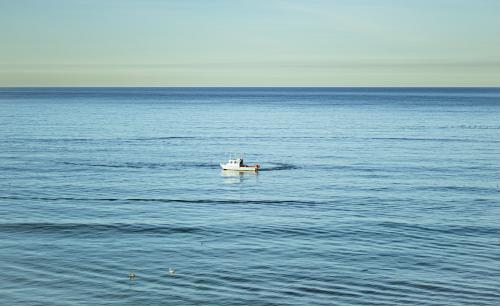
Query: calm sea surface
{"points": [[366, 196]]}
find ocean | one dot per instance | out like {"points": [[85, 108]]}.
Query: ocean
{"points": [[367, 196]]}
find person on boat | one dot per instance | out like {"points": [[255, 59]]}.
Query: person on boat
{"points": [[241, 162]]}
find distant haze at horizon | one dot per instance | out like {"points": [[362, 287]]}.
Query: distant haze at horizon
{"points": [[249, 43]]}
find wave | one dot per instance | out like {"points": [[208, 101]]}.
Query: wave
{"points": [[471, 127], [468, 189], [164, 200], [466, 140], [443, 228], [386, 170], [270, 138], [145, 165], [279, 167], [162, 138], [91, 228], [137, 165], [57, 140], [148, 228]]}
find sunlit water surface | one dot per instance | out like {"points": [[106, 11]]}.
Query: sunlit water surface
{"points": [[366, 196]]}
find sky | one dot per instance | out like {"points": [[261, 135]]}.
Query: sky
{"points": [[249, 43]]}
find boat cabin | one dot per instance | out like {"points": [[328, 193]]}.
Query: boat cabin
{"points": [[237, 161]]}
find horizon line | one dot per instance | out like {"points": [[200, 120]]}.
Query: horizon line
{"points": [[250, 86]]}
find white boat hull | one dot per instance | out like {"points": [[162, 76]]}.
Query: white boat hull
{"points": [[238, 168]]}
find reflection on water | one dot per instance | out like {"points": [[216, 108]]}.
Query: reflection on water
{"points": [[234, 177]]}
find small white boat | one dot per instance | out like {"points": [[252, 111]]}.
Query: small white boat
{"points": [[236, 164]]}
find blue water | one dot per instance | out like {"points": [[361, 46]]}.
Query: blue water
{"points": [[367, 196]]}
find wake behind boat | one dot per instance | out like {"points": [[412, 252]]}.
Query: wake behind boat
{"points": [[237, 164]]}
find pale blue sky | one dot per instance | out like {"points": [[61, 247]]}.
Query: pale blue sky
{"points": [[249, 43]]}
